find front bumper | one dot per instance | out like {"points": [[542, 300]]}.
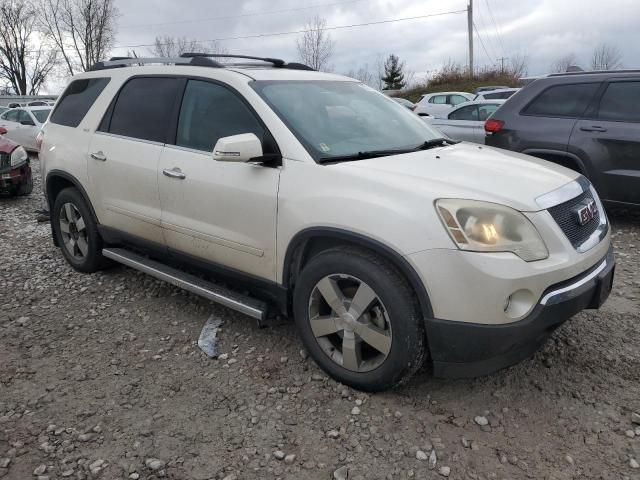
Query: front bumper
{"points": [[11, 178], [462, 349]]}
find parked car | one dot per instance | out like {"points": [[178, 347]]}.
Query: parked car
{"points": [[466, 121], [486, 88], [501, 94], [15, 105], [315, 197], [15, 170], [587, 121], [23, 125], [405, 103], [437, 103], [38, 103]]}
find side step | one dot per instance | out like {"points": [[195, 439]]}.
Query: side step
{"points": [[236, 301]]}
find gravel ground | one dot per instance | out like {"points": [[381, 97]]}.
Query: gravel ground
{"points": [[101, 377]]}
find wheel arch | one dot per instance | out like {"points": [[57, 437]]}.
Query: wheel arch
{"points": [[306, 243], [565, 159], [58, 180]]}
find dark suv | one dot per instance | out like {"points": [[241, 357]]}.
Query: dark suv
{"points": [[587, 121]]}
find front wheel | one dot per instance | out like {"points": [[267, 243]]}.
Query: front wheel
{"points": [[76, 232], [359, 319]]}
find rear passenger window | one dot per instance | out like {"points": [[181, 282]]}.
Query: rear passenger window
{"points": [[11, 115], [621, 102], [210, 112], [439, 99], [563, 101], [76, 101], [465, 113], [143, 108]]}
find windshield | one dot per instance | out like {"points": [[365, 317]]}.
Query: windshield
{"points": [[41, 115], [337, 119]]}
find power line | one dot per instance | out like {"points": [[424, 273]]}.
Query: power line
{"points": [[241, 15], [295, 32], [490, 43], [495, 24], [482, 43]]}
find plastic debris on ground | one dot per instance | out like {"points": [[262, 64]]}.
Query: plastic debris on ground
{"points": [[208, 341]]}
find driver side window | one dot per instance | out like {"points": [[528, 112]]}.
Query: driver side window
{"points": [[438, 99], [209, 112]]}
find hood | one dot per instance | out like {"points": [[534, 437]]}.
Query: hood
{"points": [[6, 145], [470, 171]]}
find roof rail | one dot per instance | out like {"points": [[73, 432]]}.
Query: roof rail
{"points": [[592, 72], [116, 62], [276, 62]]}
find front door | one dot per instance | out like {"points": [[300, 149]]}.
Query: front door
{"points": [[608, 140], [221, 212], [124, 154]]}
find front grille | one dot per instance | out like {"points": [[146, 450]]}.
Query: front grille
{"points": [[566, 217], [5, 160]]}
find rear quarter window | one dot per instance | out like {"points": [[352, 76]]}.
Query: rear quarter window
{"points": [[562, 101], [76, 101]]}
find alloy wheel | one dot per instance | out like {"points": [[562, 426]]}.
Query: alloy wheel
{"points": [[74, 231], [350, 322]]}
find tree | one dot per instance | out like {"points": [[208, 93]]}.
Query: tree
{"points": [[364, 75], [315, 47], [83, 30], [168, 46], [24, 62], [562, 64], [393, 73], [606, 57], [518, 65]]}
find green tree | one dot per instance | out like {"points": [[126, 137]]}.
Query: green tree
{"points": [[393, 73]]}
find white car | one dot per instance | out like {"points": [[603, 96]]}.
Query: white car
{"points": [[23, 125], [466, 121], [434, 104], [499, 94], [316, 197]]}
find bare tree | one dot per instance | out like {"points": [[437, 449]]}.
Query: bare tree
{"points": [[24, 62], [518, 65], [168, 46], [315, 47], [364, 74], [82, 30], [606, 57], [562, 64]]}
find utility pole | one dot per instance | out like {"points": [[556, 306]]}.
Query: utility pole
{"points": [[502, 59], [470, 28]]}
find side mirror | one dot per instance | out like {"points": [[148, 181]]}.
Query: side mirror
{"points": [[237, 148], [3, 131]]}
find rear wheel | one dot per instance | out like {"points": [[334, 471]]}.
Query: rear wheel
{"points": [[76, 232], [359, 319]]}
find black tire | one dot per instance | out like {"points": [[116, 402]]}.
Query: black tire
{"points": [[93, 260], [408, 339], [26, 187]]}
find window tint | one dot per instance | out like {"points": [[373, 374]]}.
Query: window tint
{"points": [[621, 102], [11, 115], [563, 100], [143, 108], [439, 99], [76, 101], [457, 99], [485, 111], [209, 112], [469, 112], [41, 115]]}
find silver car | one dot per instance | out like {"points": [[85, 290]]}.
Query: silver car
{"points": [[466, 121]]}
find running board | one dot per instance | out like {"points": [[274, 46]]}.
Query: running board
{"points": [[236, 301]]}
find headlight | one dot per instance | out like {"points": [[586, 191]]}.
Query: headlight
{"points": [[18, 156], [490, 227]]}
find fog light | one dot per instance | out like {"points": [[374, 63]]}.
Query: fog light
{"points": [[519, 304]]}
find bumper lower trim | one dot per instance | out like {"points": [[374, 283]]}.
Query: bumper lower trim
{"points": [[554, 294]]}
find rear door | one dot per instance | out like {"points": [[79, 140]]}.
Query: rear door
{"points": [[125, 152], [28, 130], [461, 124], [608, 140]]}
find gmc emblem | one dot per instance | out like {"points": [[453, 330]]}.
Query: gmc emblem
{"points": [[586, 211]]}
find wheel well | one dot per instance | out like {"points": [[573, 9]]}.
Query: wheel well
{"points": [[55, 184], [563, 160], [309, 244]]}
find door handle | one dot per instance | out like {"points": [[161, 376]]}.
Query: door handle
{"points": [[99, 156], [593, 128], [174, 172]]}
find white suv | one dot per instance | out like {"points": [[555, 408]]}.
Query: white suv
{"points": [[329, 203]]}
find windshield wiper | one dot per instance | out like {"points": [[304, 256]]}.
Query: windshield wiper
{"points": [[435, 142]]}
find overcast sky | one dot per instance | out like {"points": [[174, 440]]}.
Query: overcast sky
{"points": [[540, 29]]}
